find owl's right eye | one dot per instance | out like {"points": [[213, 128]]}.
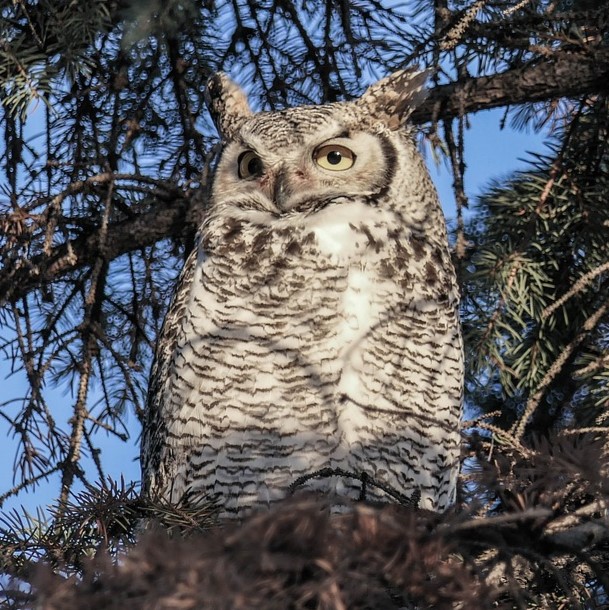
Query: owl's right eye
{"points": [[249, 164]]}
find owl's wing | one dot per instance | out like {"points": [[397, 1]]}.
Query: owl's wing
{"points": [[154, 431]]}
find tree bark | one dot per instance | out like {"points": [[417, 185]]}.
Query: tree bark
{"points": [[563, 74]]}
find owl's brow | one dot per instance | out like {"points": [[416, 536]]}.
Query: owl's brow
{"points": [[240, 141], [246, 145], [345, 133]]}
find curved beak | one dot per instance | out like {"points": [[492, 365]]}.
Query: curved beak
{"points": [[276, 184], [281, 189]]}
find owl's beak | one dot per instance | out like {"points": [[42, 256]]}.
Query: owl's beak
{"points": [[278, 184], [281, 189]]}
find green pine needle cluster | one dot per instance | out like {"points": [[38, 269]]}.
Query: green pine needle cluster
{"points": [[536, 279]]}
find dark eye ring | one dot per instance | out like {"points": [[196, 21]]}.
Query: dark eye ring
{"points": [[249, 164]]}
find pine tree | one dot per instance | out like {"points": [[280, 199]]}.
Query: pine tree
{"points": [[98, 208]]}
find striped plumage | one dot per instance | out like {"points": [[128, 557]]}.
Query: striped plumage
{"points": [[315, 322]]}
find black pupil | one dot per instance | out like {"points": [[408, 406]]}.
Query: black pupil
{"points": [[254, 166], [334, 157]]}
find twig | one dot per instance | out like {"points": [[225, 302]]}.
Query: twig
{"points": [[365, 480], [492, 522], [457, 164], [28, 483], [512, 9], [456, 33], [533, 402], [92, 311], [505, 435], [581, 283]]}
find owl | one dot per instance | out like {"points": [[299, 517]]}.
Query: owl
{"points": [[313, 340]]}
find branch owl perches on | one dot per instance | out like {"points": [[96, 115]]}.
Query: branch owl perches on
{"points": [[315, 323]]}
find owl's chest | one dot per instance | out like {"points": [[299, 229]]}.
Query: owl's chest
{"points": [[312, 283]]}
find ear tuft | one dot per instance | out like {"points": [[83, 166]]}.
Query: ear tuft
{"points": [[227, 104], [393, 99]]}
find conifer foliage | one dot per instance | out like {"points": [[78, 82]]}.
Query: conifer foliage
{"points": [[105, 154], [536, 287]]}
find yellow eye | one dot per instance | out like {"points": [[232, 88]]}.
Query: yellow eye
{"points": [[334, 157], [250, 164]]}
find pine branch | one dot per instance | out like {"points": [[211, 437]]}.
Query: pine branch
{"points": [[92, 313], [537, 539], [582, 283], [167, 219], [534, 401], [562, 74]]}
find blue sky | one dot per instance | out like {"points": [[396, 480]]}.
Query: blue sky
{"points": [[491, 153]]}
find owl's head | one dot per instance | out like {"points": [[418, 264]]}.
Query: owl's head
{"points": [[301, 159]]}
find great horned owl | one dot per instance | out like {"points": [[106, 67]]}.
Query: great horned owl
{"points": [[315, 327]]}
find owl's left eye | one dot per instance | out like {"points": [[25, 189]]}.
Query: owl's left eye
{"points": [[334, 157], [249, 164]]}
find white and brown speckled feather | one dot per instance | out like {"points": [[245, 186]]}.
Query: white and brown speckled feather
{"points": [[315, 324]]}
